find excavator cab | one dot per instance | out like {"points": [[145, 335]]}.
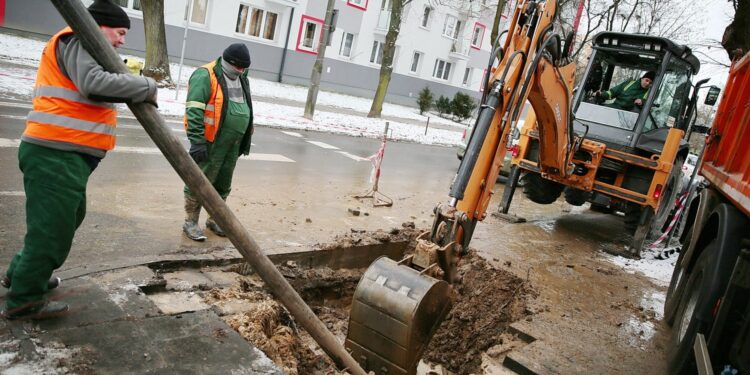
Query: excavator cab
{"points": [[631, 131]]}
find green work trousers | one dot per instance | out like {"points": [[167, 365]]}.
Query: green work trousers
{"points": [[55, 185], [222, 158], [225, 150]]}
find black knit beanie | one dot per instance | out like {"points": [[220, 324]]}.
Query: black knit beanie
{"points": [[238, 55], [106, 13], [650, 75]]}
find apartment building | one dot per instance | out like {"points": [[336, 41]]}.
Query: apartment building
{"points": [[444, 47]]}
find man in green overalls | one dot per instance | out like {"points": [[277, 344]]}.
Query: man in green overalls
{"points": [[629, 94], [219, 125]]}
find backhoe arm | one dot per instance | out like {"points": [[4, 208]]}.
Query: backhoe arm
{"points": [[528, 70]]}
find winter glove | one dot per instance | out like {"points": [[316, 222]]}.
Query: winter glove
{"points": [[199, 152], [151, 99]]}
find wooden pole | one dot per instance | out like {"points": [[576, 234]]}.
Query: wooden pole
{"points": [[77, 16]]}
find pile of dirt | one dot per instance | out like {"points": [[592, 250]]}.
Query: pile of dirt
{"points": [[488, 301], [357, 237]]}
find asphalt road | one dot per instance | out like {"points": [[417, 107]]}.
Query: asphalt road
{"points": [[294, 190]]}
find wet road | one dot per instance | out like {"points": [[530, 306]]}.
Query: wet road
{"points": [[295, 190]]}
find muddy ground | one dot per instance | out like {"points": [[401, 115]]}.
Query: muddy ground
{"points": [[487, 301]]}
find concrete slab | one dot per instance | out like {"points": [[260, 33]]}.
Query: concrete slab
{"points": [[186, 280], [195, 343], [221, 279], [171, 303]]}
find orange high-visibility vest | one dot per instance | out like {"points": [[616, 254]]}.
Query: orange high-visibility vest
{"points": [[61, 114], [212, 109]]}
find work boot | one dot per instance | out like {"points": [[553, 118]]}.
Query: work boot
{"points": [[37, 311], [193, 231], [192, 213], [52, 283], [211, 224]]}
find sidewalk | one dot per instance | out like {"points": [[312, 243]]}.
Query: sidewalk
{"points": [[114, 327]]}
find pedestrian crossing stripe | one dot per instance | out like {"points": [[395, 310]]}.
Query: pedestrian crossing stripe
{"points": [[293, 134], [323, 145], [5, 142], [352, 156]]}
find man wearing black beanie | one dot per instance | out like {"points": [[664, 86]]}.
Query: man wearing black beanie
{"points": [[68, 132], [219, 124], [629, 94]]}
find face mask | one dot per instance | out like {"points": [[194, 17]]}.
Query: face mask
{"points": [[229, 70]]}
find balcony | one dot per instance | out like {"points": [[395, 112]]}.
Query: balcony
{"points": [[460, 49]]}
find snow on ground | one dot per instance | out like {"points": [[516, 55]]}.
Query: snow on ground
{"points": [[659, 270], [25, 52]]}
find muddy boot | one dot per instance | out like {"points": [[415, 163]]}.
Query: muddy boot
{"points": [[192, 212], [211, 224]]}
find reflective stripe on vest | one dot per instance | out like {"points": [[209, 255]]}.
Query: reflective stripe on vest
{"points": [[61, 114], [211, 109]]}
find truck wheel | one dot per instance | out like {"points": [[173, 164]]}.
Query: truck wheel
{"points": [[539, 190], [575, 196], [677, 284], [690, 319]]}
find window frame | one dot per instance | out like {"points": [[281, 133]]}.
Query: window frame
{"points": [[354, 4], [130, 5], [455, 26], [351, 47], [263, 24], [419, 62], [478, 25], [425, 24], [205, 15], [318, 31], [445, 74], [377, 53], [466, 81]]}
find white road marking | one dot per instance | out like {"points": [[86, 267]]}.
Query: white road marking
{"points": [[323, 145], [293, 134], [351, 156], [14, 117], [12, 193], [24, 105], [5, 142]]}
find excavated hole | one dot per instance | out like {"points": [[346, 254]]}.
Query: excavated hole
{"points": [[488, 301]]}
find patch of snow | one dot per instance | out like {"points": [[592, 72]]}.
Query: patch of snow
{"points": [[658, 270], [46, 360]]}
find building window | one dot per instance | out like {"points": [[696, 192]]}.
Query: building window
{"points": [[376, 57], [477, 35], [415, 62], [200, 11], [467, 76], [442, 69], [310, 32], [130, 4], [359, 4], [256, 22], [426, 17], [347, 41], [451, 27]]}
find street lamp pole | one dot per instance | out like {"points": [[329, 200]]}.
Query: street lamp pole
{"points": [[184, 42]]}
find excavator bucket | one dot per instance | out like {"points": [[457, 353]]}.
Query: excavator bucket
{"points": [[395, 311]]}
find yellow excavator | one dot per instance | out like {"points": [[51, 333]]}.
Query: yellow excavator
{"points": [[565, 143]]}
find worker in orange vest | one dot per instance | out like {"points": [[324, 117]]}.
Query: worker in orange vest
{"points": [[68, 131], [219, 123]]}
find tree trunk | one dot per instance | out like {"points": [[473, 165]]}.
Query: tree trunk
{"points": [[736, 40], [312, 92], [389, 50], [496, 22], [157, 59]]}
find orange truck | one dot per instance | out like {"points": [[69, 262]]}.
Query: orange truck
{"points": [[708, 300]]}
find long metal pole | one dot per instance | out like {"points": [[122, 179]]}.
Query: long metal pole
{"points": [[76, 15], [182, 53], [286, 46]]}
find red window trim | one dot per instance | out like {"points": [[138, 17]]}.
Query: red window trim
{"points": [[484, 30], [299, 34], [349, 3]]}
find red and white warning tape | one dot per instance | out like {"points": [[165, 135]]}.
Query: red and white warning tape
{"points": [[377, 160], [680, 206]]}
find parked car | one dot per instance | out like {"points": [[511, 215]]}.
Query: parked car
{"points": [[691, 162], [505, 170]]}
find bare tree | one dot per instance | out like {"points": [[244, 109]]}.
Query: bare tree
{"points": [[312, 92], [499, 10], [157, 58], [389, 50]]}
